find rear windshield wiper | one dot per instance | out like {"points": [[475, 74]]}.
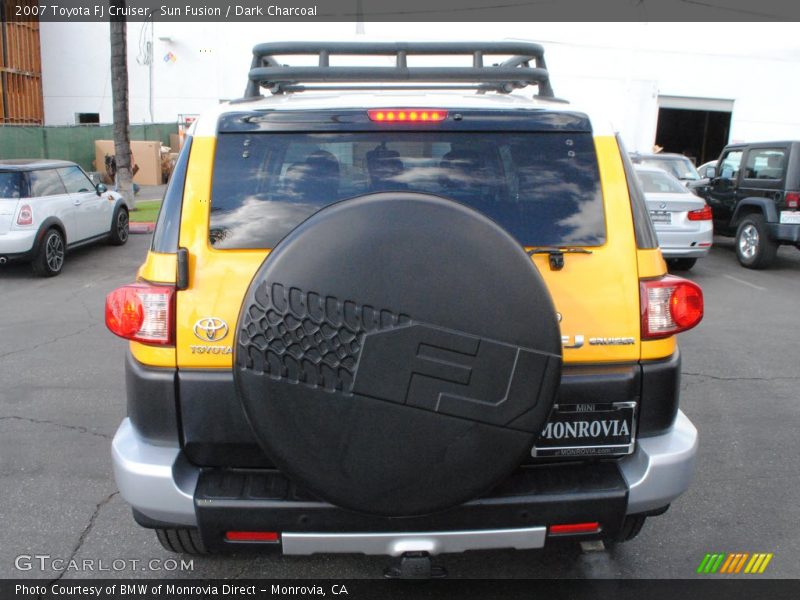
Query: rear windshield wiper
{"points": [[556, 254]]}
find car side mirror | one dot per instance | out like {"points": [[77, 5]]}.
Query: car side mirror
{"points": [[101, 188], [711, 172]]}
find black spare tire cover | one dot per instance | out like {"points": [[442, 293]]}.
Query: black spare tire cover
{"points": [[397, 354]]}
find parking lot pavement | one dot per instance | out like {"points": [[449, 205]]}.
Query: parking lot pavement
{"points": [[62, 397]]}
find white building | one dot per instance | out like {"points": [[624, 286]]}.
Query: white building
{"points": [[687, 86]]}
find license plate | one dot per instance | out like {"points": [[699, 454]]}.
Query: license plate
{"points": [[791, 217], [661, 216], [588, 430]]}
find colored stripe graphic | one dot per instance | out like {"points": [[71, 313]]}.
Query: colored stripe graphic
{"points": [[754, 564], [764, 564], [714, 562], [734, 563], [727, 564], [703, 563], [742, 558]]}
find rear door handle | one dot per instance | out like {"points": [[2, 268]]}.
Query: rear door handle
{"points": [[76, 202]]}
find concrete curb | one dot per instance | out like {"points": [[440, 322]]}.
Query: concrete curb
{"points": [[141, 227]]}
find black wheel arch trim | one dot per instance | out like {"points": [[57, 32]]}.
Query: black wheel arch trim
{"points": [[121, 203], [764, 205], [48, 223]]}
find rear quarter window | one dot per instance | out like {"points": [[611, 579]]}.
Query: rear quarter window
{"points": [[543, 187], [45, 183], [10, 184], [765, 163]]}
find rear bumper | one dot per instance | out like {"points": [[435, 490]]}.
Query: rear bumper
{"points": [[156, 481], [686, 244], [17, 245], [166, 490], [788, 233]]}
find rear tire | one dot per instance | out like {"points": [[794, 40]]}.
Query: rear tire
{"points": [[182, 541], [681, 264], [754, 248], [49, 258], [631, 527], [120, 227]]}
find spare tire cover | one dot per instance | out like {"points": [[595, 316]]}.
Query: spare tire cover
{"points": [[397, 354]]}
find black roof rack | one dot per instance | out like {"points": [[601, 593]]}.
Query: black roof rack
{"points": [[515, 72]]}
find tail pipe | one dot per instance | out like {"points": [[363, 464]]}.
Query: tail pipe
{"points": [[3, 260]]}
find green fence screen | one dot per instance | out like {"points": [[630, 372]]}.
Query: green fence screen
{"points": [[73, 142]]}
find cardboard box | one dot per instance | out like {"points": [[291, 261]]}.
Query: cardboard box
{"points": [[175, 142], [146, 154]]}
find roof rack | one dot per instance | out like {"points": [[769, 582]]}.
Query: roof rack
{"points": [[515, 72]]}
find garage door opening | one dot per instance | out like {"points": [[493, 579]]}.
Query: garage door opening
{"points": [[696, 127]]}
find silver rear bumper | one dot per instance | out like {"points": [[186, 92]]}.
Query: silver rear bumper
{"points": [[661, 468], [155, 480], [159, 483]]}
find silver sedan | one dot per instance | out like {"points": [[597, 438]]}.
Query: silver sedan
{"points": [[682, 220]]}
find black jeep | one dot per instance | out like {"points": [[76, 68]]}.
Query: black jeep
{"points": [[754, 194]]}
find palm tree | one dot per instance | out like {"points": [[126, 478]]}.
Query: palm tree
{"points": [[119, 94]]}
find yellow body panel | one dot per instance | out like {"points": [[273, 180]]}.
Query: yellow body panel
{"points": [[597, 295], [218, 279], [158, 268]]}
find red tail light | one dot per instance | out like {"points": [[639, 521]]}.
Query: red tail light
{"points": [[701, 214], [568, 528], [142, 313], [407, 115], [252, 536], [792, 199], [25, 216], [669, 305]]}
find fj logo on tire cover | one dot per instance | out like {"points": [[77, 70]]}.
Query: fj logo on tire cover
{"points": [[322, 342]]}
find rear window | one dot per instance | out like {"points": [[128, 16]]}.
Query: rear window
{"points": [[543, 188], [654, 182], [682, 168], [10, 184]]}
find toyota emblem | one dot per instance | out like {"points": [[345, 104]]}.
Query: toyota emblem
{"points": [[210, 329]]}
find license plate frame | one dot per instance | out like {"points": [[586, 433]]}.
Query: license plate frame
{"points": [[595, 446]]}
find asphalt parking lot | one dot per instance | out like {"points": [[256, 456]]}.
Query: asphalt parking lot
{"points": [[62, 398]]}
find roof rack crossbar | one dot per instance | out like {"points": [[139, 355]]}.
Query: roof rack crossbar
{"points": [[515, 72]]}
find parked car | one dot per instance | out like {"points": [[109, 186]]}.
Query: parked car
{"points": [[676, 164], [704, 169], [363, 323], [48, 207], [754, 195], [681, 219]]}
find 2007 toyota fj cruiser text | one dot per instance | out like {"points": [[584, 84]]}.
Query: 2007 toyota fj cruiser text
{"points": [[384, 315]]}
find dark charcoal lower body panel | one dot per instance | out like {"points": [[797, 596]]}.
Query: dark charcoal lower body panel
{"points": [[264, 500], [216, 433]]}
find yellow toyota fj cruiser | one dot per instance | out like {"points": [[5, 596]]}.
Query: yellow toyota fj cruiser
{"points": [[403, 310]]}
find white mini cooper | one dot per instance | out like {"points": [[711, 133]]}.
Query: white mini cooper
{"points": [[50, 206]]}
